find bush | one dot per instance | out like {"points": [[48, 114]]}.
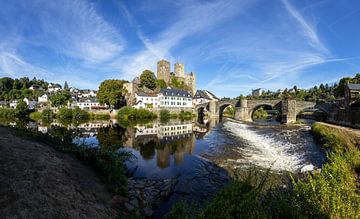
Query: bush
{"points": [[129, 113], [22, 109], [47, 115], [185, 115], [64, 114], [7, 113], [102, 116], [260, 114], [165, 114], [36, 116], [79, 115]]}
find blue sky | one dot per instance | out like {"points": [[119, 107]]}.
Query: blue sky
{"points": [[232, 45]]}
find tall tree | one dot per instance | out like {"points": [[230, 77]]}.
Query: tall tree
{"points": [[148, 79], [111, 92], [66, 86], [60, 98]]}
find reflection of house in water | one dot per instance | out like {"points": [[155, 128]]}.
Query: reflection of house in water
{"points": [[167, 140], [90, 129]]}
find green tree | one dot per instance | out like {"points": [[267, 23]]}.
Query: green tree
{"points": [[148, 79], [66, 86], [161, 83], [340, 90], [22, 109], [111, 92], [60, 98]]}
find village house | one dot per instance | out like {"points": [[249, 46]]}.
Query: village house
{"points": [[89, 103], [31, 103], [203, 96], [35, 87], [146, 100], [174, 98], [43, 98], [52, 88], [256, 92], [352, 91]]}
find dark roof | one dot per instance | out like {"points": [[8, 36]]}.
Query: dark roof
{"points": [[175, 92], [205, 94], [354, 86], [146, 94]]}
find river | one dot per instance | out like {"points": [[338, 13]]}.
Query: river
{"points": [[200, 156]]}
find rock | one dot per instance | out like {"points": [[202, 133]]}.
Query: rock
{"points": [[307, 168], [134, 203], [148, 211], [129, 207]]}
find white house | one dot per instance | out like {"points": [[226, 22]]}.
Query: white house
{"points": [[52, 88], [43, 99], [13, 104], [203, 96], [257, 92], [90, 103], [31, 103], [146, 100], [35, 87], [174, 98]]}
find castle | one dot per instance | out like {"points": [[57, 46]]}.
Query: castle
{"points": [[163, 73]]}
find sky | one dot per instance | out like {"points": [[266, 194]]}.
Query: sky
{"points": [[233, 46]]}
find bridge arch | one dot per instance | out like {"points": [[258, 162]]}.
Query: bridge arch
{"points": [[266, 106]]}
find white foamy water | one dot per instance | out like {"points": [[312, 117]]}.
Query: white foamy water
{"points": [[264, 151]]}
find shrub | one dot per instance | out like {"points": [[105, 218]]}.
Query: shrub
{"points": [[129, 113], [79, 115], [22, 109], [7, 113], [64, 114], [47, 115], [185, 115], [165, 114], [102, 116], [36, 116]]}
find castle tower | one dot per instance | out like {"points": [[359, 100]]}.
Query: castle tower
{"points": [[179, 70], [190, 81], [163, 71]]}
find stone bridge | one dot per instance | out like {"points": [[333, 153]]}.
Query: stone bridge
{"points": [[244, 109]]}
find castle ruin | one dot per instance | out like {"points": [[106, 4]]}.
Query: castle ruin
{"points": [[163, 73]]}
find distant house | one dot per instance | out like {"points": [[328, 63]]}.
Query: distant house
{"points": [[90, 103], [52, 88], [87, 93], [204, 96], [256, 92], [43, 99], [31, 103], [13, 104], [35, 87], [3, 104], [146, 100], [351, 93], [174, 98]]}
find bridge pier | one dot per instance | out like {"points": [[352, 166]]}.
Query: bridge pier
{"points": [[243, 112], [288, 111]]}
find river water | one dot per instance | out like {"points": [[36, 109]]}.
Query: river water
{"points": [[199, 155]]}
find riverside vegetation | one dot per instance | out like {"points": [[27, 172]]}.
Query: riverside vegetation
{"points": [[331, 193]]}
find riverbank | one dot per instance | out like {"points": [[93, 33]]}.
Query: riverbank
{"points": [[331, 192], [36, 180]]}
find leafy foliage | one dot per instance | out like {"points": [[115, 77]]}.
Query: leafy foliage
{"points": [[148, 79], [260, 114], [6, 113], [161, 83], [111, 92], [130, 113], [22, 109], [60, 98], [11, 89], [175, 83]]}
